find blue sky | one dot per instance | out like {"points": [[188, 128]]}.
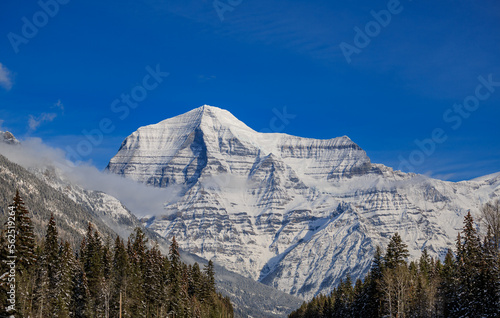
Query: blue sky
{"points": [[62, 69]]}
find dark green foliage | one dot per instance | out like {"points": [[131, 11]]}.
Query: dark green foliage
{"points": [[397, 252], [80, 295], [105, 279], [448, 287], [208, 286], [25, 237], [119, 275], [18, 241], [467, 285], [477, 282]]}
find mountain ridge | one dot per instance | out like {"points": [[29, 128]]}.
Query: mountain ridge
{"points": [[295, 213], [46, 190]]}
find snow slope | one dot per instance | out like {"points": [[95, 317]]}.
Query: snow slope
{"points": [[47, 189], [294, 213]]}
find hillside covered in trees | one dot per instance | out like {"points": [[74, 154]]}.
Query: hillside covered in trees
{"points": [[467, 284], [102, 279]]}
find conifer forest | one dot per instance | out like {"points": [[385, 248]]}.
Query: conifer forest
{"points": [[466, 284], [46, 277]]}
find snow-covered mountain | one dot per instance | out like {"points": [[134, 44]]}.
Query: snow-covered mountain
{"points": [[295, 213], [46, 187]]}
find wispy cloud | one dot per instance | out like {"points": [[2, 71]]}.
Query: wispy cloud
{"points": [[59, 105], [35, 122], [206, 78], [307, 28], [140, 199], [316, 30], [5, 77]]}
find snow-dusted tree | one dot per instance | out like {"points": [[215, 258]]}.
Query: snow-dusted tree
{"points": [[50, 260], [25, 237], [25, 255], [136, 294], [66, 267], [119, 278], [448, 293], [195, 282], [80, 306], [397, 252], [91, 259], [490, 214], [469, 259], [175, 301], [154, 282], [208, 288]]}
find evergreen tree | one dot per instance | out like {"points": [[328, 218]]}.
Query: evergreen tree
{"points": [[106, 282], [80, 306], [209, 272], [153, 282], [91, 259], [25, 237], [67, 264], [195, 282], [136, 299], [397, 252], [373, 285], [448, 288], [4, 275], [25, 255], [469, 256], [425, 264], [119, 277], [50, 260], [175, 304], [343, 296], [489, 277]]}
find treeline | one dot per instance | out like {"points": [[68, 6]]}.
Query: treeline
{"points": [[467, 284], [103, 279]]}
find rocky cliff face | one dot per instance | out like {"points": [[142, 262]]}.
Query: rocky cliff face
{"points": [[47, 189], [294, 213], [8, 138]]}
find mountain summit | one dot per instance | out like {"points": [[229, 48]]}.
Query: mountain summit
{"points": [[209, 139], [8, 138], [295, 213]]}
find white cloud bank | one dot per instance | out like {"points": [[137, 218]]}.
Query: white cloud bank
{"points": [[140, 199]]}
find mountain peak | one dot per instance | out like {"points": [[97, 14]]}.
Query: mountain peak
{"points": [[209, 140], [8, 138], [274, 206], [205, 116]]}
